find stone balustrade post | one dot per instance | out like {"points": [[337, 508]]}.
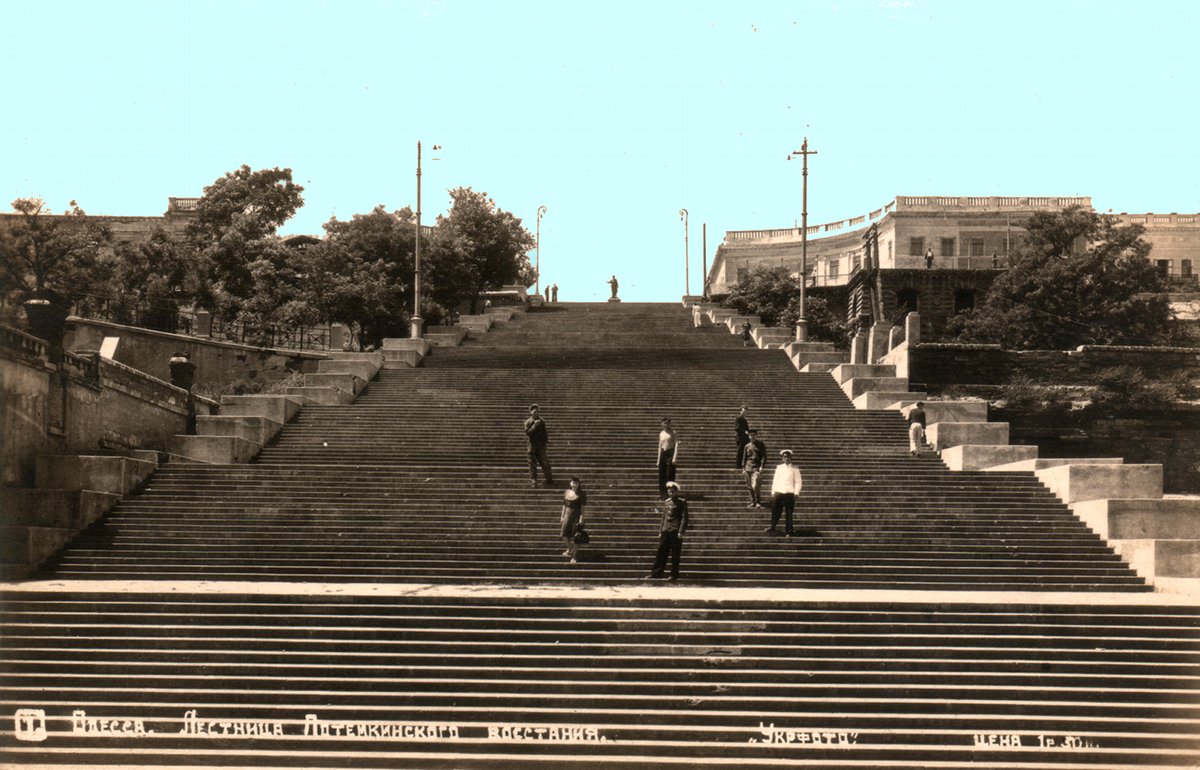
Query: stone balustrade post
{"points": [[912, 328]]}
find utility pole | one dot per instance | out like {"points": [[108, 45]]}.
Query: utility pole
{"points": [[704, 263], [683, 214], [802, 323], [537, 253], [417, 320]]}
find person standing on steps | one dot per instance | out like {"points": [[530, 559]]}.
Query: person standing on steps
{"points": [[572, 516], [916, 428], [547, 293], [535, 431], [741, 426], [747, 334], [670, 533], [784, 488], [668, 452], [755, 459], [554, 293]]}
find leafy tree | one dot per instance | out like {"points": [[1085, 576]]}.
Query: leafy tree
{"points": [[773, 294], [476, 247], [1078, 278], [361, 274], [150, 275], [41, 251], [236, 215]]}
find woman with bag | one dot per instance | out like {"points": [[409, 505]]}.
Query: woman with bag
{"points": [[572, 518]]}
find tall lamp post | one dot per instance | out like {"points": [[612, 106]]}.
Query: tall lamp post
{"points": [[687, 284], [417, 321], [537, 252], [802, 322]]}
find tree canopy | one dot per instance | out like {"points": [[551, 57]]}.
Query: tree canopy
{"points": [[41, 251], [1078, 278], [476, 247], [773, 294], [235, 218]]}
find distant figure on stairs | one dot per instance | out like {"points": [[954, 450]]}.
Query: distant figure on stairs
{"points": [[612, 282], [755, 459], [668, 451], [741, 426], [916, 428], [572, 516], [535, 431], [547, 292], [784, 488], [747, 336], [554, 293], [670, 533]]}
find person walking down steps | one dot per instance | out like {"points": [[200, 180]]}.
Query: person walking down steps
{"points": [[755, 459], [572, 516], [670, 533], [668, 451], [784, 488], [741, 427], [747, 334], [535, 432]]}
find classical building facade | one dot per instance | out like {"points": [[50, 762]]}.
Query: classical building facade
{"points": [[933, 254]]}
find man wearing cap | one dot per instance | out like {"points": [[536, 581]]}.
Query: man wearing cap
{"points": [[916, 428], [752, 466], [535, 431], [670, 532], [784, 488], [741, 426], [668, 450]]}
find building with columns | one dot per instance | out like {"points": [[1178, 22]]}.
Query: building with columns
{"points": [[928, 253]]}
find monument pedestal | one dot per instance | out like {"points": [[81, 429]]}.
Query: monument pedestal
{"points": [[614, 299]]}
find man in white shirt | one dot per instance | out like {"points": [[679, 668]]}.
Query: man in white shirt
{"points": [[784, 488], [668, 450]]}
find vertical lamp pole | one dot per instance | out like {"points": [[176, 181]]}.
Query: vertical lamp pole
{"points": [[704, 261], [802, 323], [683, 214], [417, 321], [537, 252]]}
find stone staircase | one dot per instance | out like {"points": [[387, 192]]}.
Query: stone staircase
{"points": [[381, 588]]}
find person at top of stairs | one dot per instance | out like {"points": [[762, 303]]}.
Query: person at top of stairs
{"points": [[755, 459], [668, 451], [784, 488], [670, 533], [572, 516], [535, 431]]}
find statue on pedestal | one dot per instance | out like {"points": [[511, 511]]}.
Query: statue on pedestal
{"points": [[612, 282]]}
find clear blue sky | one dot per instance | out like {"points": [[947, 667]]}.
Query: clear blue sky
{"points": [[614, 115]]}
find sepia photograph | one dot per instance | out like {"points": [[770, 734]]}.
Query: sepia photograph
{"points": [[459, 385]]}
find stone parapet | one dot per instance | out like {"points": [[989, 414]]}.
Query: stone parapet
{"points": [[364, 370], [100, 473], [321, 396], [947, 434], [215, 450], [1078, 482], [260, 430], [445, 336], [975, 457], [856, 386], [772, 337], [887, 399], [279, 408], [845, 372], [1155, 518], [350, 383]]}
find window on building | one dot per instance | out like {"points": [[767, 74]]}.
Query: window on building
{"points": [[906, 302], [833, 269], [964, 300], [1164, 266], [947, 247], [1185, 268], [976, 246], [741, 274], [916, 246]]}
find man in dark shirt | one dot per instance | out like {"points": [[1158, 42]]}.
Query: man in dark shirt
{"points": [[741, 426], [535, 431], [670, 532], [755, 459]]}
